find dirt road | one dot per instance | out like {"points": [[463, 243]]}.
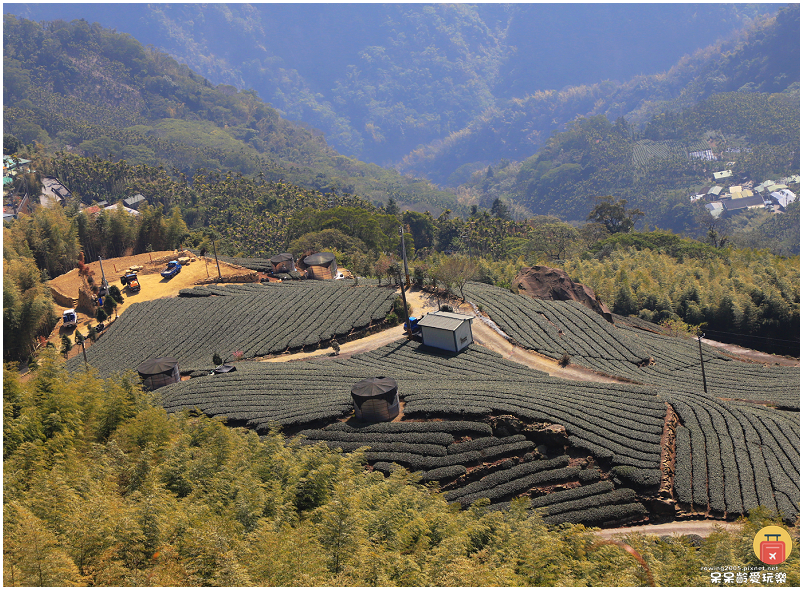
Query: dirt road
{"points": [[689, 527], [420, 303], [754, 355], [482, 333]]}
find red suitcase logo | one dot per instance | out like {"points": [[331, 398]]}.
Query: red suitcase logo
{"points": [[772, 552]]}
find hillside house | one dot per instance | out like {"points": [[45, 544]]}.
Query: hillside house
{"points": [[13, 166], [723, 174], [715, 209], [445, 330], [282, 263], [735, 205], [715, 191], [134, 202], [783, 197]]}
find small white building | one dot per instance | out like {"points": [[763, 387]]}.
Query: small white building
{"points": [[783, 197], [722, 174], [445, 330], [715, 209]]}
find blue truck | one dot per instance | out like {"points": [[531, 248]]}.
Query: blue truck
{"points": [[173, 268]]}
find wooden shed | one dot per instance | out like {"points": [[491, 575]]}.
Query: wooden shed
{"points": [[282, 263], [321, 265], [445, 330], [375, 399]]}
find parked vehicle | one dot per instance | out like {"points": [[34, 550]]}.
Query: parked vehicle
{"points": [[173, 268], [131, 281], [70, 318]]}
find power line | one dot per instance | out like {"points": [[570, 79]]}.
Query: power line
{"points": [[747, 336]]}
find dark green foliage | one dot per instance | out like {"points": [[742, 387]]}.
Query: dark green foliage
{"points": [[507, 475], [621, 496], [589, 476], [614, 215], [639, 477], [66, 345], [115, 293], [565, 496], [601, 515], [444, 473]]}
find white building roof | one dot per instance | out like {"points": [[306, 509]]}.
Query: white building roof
{"points": [[715, 208], [784, 197], [127, 209]]}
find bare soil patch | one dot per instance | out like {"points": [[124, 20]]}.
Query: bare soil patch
{"points": [[153, 285]]}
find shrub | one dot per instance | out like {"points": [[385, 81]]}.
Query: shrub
{"points": [[399, 310], [66, 345], [116, 294], [216, 359], [564, 360], [101, 315]]}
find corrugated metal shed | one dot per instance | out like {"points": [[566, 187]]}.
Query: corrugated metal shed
{"points": [[445, 330], [444, 320], [715, 190]]}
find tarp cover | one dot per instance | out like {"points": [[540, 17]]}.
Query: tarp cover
{"points": [[157, 366], [286, 257], [374, 387], [320, 259]]}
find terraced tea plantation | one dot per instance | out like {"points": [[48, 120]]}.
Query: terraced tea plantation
{"points": [[256, 319], [652, 448], [733, 457], [619, 425], [596, 453], [553, 328]]}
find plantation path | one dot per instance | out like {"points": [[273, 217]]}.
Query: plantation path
{"points": [[486, 336], [420, 303], [754, 355], [690, 527], [483, 334]]}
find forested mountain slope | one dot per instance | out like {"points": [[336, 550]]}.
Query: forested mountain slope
{"points": [[83, 88], [381, 80], [760, 59]]}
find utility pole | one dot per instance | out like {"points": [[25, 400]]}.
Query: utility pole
{"points": [[407, 323], [215, 258], [702, 365], [85, 362], [403, 248], [104, 284]]}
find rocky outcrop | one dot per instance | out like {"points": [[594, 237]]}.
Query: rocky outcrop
{"points": [[543, 282]]}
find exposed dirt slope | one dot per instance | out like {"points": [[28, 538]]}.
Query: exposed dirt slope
{"points": [[543, 282], [153, 286]]}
